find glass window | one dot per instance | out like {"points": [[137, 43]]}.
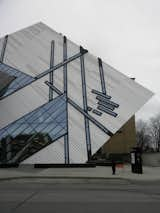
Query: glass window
{"points": [[38, 129], [21, 78]]}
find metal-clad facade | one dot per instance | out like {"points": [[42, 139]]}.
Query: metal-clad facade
{"points": [[92, 118]]}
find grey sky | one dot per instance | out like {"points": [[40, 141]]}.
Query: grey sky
{"points": [[125, 33]]}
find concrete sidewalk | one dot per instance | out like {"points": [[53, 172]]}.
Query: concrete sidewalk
{"points": [[97, 173]]}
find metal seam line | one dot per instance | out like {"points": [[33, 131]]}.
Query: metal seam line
{"points": [[65, 79], [102, 76], [61, 64], [3, 48], [84, 93], [51, 73], [77, 107]]}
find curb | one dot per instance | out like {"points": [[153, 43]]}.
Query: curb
{"points": [[61, 179]]}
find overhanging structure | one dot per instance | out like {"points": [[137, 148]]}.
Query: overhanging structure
{"points": [[63, 103]]}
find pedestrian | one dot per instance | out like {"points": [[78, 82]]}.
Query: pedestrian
{"points": [[113, 167]]}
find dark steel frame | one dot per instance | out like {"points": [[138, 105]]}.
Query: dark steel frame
{"points": [[51, 73], [103, 85], [3, 48], [65, 80], [85, 108]]}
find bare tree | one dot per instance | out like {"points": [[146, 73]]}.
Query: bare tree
{"points": [[155, 131], [142, 135]]}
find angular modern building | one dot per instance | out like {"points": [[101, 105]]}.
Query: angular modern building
{"points": [[59, 103]]}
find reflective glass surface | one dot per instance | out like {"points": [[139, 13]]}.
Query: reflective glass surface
{"points": [[21, 79], [33, 131]]}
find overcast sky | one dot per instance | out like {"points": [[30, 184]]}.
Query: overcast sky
{"points": [[124, 33]]}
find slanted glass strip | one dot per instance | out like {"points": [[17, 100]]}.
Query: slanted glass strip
{"points": [[21, 79], [36, 129]]}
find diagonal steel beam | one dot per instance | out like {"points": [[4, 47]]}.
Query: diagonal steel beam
{"points": [[51, 73], [66, 137], [85, 107], [3, 48], [72, 58], [77, 107], [103, 85]]}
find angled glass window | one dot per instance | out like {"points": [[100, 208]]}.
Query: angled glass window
{"points": [[5, 81], [33, 131], [20, 79]]}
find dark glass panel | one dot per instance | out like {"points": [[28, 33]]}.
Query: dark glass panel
{"points": [[21, 79]]}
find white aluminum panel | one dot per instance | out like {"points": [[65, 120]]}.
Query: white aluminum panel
{"points": [[72, 48], [23, 101], [77, 141], [53, 153], [98, 138], [74, 74], [127, 93], [75, 82], [92, 80], [29, 49], [58, 79]]}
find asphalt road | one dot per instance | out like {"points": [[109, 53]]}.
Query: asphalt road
{"points": [[114, 196]]}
